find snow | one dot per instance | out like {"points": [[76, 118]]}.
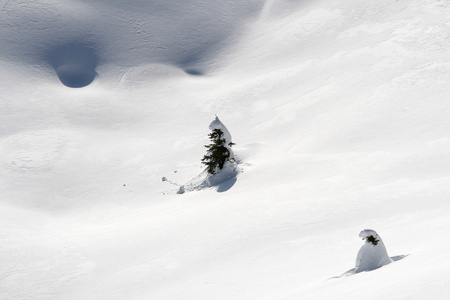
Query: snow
{"points": [[372, 254], [339, 111]]}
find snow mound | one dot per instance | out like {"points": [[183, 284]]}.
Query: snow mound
{"points": [[149, 74], [372, 254], [32, 152]]}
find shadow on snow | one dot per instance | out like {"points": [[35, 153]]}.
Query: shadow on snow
{"points": [[353, 270]]}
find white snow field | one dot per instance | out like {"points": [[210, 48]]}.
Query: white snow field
{"points": [[340, 112]]}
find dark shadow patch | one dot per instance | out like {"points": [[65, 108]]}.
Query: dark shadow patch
{"points": [[74, 63], [194, 72], [225, 186], [353, 271], [398, 257]]}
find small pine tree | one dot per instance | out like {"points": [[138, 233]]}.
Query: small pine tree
{"points": [[217, 153], [372, 240]]}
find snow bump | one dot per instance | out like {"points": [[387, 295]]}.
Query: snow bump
{"points": [[372, 254]]}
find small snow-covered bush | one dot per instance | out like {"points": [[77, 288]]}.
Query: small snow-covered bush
{"points": [[372, 254]]}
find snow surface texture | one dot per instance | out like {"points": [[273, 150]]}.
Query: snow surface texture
{"points": [[372, 254], [340, 114]]}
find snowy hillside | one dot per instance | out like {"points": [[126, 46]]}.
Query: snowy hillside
{"points": [[340, 115]]}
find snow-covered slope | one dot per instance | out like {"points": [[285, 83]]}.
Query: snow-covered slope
{"points": [[339, 111]]}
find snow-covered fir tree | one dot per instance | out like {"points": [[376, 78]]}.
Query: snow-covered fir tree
{"points": [[219, 151]]}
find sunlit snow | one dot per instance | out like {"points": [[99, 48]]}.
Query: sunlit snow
{"points": [[340, 115]]}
